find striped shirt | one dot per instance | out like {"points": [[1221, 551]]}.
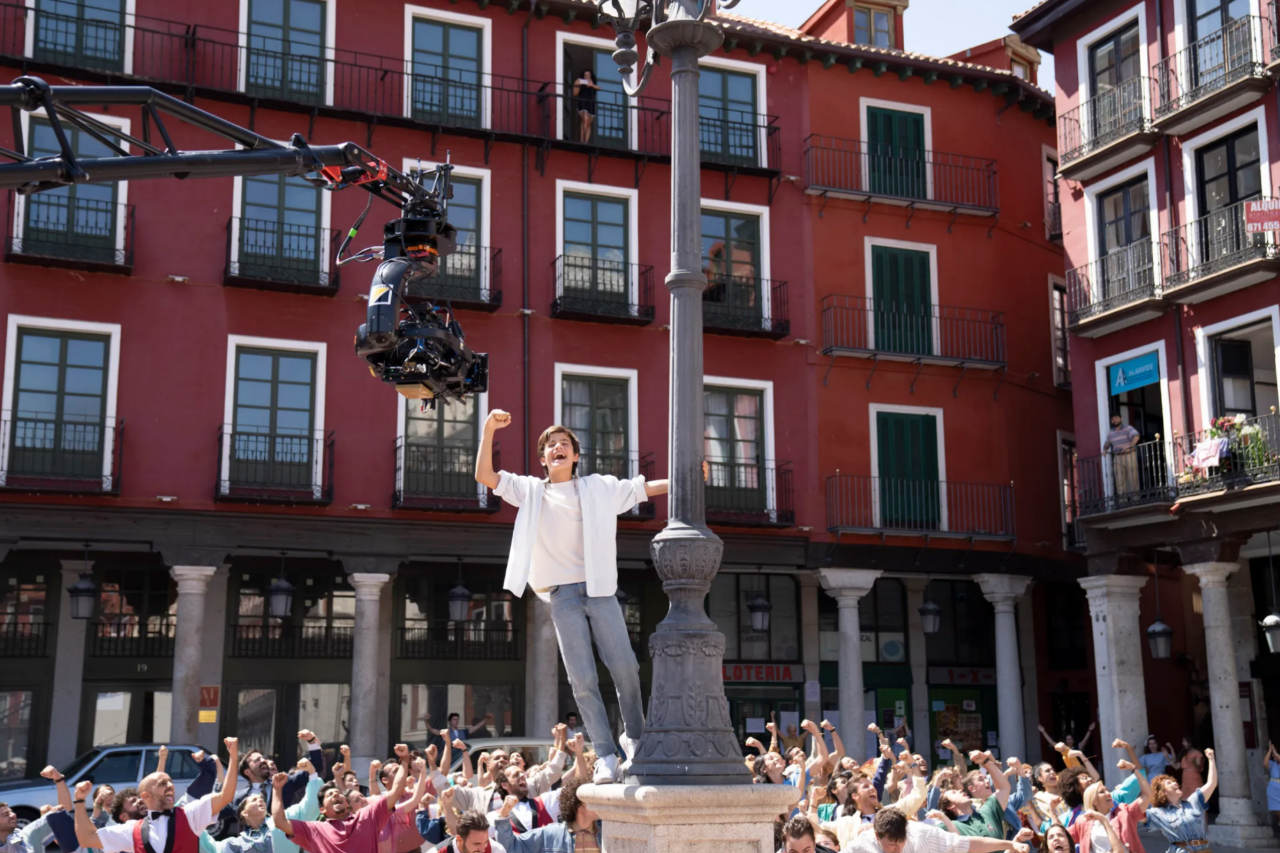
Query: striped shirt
{"points": [[1121, 439]]}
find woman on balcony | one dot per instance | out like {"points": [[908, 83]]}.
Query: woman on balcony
{"points": [[584, 95]]}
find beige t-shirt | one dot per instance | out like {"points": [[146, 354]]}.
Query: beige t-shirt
{"points": [[558, 552]]}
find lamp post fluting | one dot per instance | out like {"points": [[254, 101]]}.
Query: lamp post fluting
{"points": [[689, 737]]}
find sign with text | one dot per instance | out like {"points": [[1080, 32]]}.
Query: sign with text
{"points": [[1261, 215], [769, 673], [210, 696], [1135, 372], [940, 675]]}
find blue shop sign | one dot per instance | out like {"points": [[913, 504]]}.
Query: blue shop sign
{"points": [[1135, 372]]}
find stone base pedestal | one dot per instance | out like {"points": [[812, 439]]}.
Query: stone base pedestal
{"points": [[689, 819], [1237, 825]]}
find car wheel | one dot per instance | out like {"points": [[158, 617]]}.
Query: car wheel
{"points": [[26, 816]]}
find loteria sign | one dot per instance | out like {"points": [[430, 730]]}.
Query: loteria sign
{"points": [[1262, 215]]}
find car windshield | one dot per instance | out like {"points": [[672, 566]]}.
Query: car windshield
{"points": [[81, 763]]}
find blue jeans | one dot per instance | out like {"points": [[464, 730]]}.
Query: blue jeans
{"points": [[579, 617]]}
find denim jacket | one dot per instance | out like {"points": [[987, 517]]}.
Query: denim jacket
{"points": [[556, 838]]}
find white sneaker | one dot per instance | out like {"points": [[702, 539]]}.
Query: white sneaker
{"points": [[606, 770], [628, 746]]}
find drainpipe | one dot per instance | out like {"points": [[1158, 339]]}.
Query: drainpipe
{"points": [[524, 225]]}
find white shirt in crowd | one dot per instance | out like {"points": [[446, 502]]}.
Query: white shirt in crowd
{"points": [[921, 838], [557, 553], [119, 838], [525, 812]]}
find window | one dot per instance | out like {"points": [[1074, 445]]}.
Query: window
{"points": [[256, 719], [84, 34], [1124, 221], [460, 272], [272, 434], [15, 732], [966, 636], [727, 603], [59, 413], [488, 632], [596, 250], [882, 620], [596, 410], [487, 710], [733, 441], [116, 768], [1229, 171], [1068, 627], [1067, 467], [728, 119], [871, 27], [607, 115], [1244, 380], [440, 448], [1113, 61], [1053, 200], [1021, 70], [903, 300], [286, 50], [1214, 59], [907, 453], [731, 262], [23, 618], [77, 222], [447, 82], [136, 610], [1061, 340], [326, 710], [280, 234], [896, 153], [320, 625]]}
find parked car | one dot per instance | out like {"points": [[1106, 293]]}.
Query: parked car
{"points": [[120, 766], [535, 750]]}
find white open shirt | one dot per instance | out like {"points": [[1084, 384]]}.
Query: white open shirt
{"points": [[119, 838]]}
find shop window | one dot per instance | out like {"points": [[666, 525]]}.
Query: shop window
{"points": [[1068, 627], [727, 604], [966, 636], [487, 710], [326, 710], [487, 633], [15, 732], [137, 610], [321, 625], [882, 620]]}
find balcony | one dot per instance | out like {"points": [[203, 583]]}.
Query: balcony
{"points": [[931, 180], [279, 468], [460, 641], [1137, 483], [1114, 292], [623, 466], [291, 641], [899, 507], [750, 494], [1233, 456], [470, 278], [432, 477], [66, 456], [1103, 132], [739, 140], [269, 255], [1216, 254], [856, 326], [735, 305], [602, 291], [24, 639], [55, 229], [1212, 77], [131, 636]]}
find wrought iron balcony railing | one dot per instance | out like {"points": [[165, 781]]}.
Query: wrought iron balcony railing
{"points": [[291, 641], [1232, 454], [1107, 118], [127, 636], [460, 641], [279, 467], [429, 476], [623, 466], [1111, 482], [20, 638], [69, 455], [59, 229], [1125, 276], [858, 504], [737, 138], [1236, 52], [852, 167], [755, 494], [274, 255], [469, 278], [1212, 244], [603, 291], [857, 325], [745, 306]]}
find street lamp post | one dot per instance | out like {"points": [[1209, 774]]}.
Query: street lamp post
{"points": [[689, 738]]}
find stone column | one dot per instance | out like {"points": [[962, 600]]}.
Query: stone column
{"points": [[364, 665], [1003, 592], [1117, 654], [382, 723], [1245, 614], [917, 651], [1237, 824], [189, 649], [1030, 687], [542, 670], [809, 640], [847, 586], [215, 641], [68, 671]]}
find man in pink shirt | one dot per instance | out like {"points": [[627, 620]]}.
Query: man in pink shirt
{"points": [[340, 831]]}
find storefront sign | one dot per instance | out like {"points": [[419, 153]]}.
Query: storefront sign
{"points": [[210, 695], [763, 672], [940, 675], [1261, 215], [1135, 372], [208, 717]]}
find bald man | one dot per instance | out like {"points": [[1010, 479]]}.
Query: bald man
{"points": [[164, 829]]}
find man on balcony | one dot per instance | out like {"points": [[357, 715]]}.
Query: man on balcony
{"points": [[1120, 443]]}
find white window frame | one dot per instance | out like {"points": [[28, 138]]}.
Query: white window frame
{"points": [[402, 419], [128, 22], [631, 196], [1204, 361], [1182, 25], [1057, 281], [122, 124], [723, 63], [631, 375], [317, 348], [766, 416], [1088, 40], [326, 220], [330, 47], [477, 22], [940, 422], [766, 259], [1102, 382], [485, 177], [563, 38], [902, 107], [111, 331], [869, 282], [1146, 167], [1257, 117]]}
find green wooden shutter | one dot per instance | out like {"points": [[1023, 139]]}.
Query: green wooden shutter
{"points": [[908, 457], [902, 299], [895, 153]]}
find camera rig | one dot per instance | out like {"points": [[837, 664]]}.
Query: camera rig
{"points": [[407, 339]]}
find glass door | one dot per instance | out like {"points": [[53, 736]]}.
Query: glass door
{"points": [[1220, 49], [1230, 173], [76, 221], [440, 448], [81, 33], [1114, 71], [596, 251], [280, 230], [447, 87], [727, 113], [60, 409], [731, 261], [734, 447], [275, 395], [286, 50]]}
